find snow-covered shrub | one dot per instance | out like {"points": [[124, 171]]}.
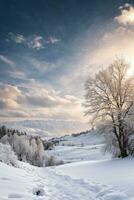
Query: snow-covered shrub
{"points": [[52, 161], [48, 145], [7, 155]]}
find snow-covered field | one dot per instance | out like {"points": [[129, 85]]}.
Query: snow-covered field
{"points": [[89, 176], [82, 148]]}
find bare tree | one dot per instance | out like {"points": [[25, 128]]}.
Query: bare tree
{"points": [[110, 96]]}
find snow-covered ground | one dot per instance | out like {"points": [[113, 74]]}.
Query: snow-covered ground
{"points": [[88, 162], [117, 173], [89, 176], [25, 183]]}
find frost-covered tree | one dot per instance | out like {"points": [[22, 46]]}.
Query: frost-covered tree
{"points": [[7, 155], [27, 148], [110, 97], [3, 131], [21, 146]]}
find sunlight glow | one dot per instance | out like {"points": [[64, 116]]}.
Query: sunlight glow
{"points": [[130, 71]]}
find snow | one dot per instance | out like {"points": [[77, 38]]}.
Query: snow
{"points": [[79, 153], [90, 164], [84, 147], [118, 173], [90, 175], [26, 182], [90, 138]]}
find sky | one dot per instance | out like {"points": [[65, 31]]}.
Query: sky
{"points": [[48, 48]]}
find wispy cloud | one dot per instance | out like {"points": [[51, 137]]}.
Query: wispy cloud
{"points": [[32, 41], [7, 60], [53, 40], [18, 38]]}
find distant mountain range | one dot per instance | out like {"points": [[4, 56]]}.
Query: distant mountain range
{"points": [[48, 128]]}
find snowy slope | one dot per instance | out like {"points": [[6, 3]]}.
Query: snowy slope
{"points": [[118, 173], [76, 153], [81, 148], [48, 127], [23, 184], [90, 164], [90, 138]]}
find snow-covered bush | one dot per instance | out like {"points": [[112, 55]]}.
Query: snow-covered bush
{"points": [[7, 155], [48, 145], [52, 161]]}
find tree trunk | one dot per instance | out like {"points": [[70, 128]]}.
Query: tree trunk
{"points": [[121, 138], [122, 147], [121, 142]]}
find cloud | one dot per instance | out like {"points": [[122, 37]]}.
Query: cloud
{"points": [[18, 74], [53, 40], [8, 104], [11, 114], [37, 102], [40, 65], [9, 91], [33, 42], [7, 60], [127, 15], [18, 38], [37, 42], [47, 99], [8, 96]]}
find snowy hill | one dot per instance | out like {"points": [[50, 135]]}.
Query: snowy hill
{"points": [[91, 137], [33, 183], [86, 146], [48, 127]]}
